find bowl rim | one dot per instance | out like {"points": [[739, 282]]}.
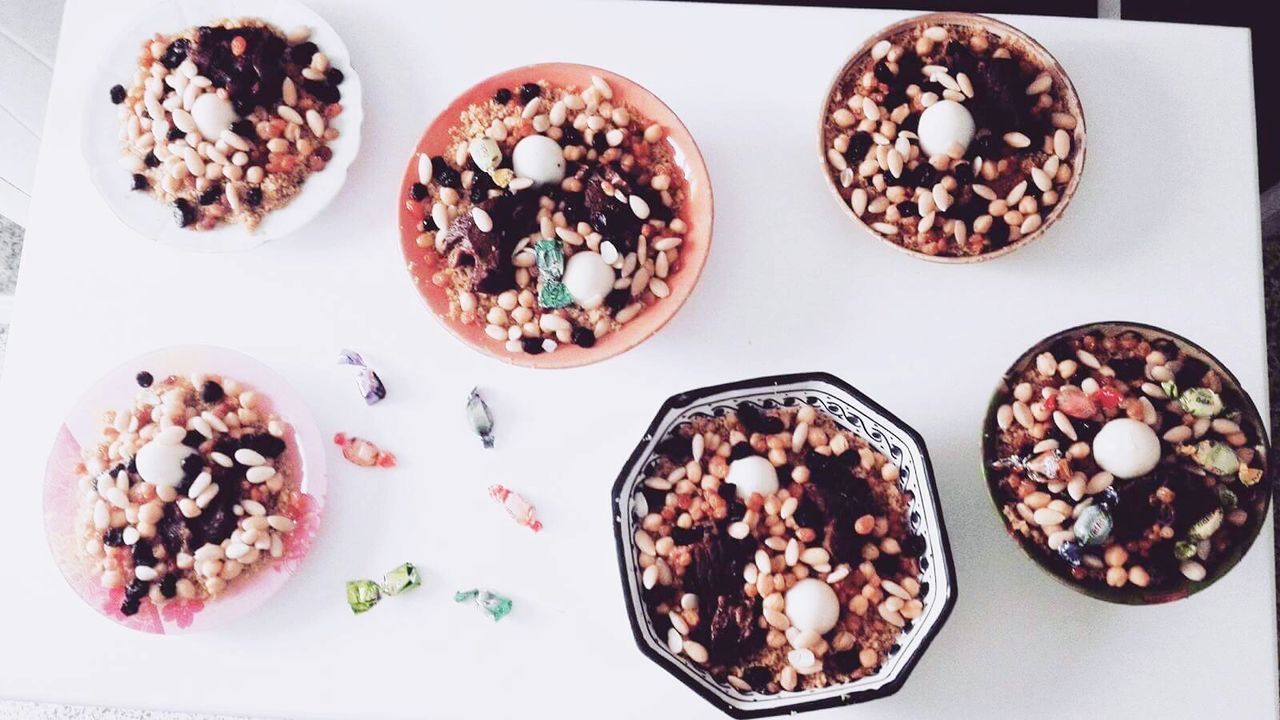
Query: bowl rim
{"points": [[567, 355], [1109, 594], [1079, 134], [690, 397]]}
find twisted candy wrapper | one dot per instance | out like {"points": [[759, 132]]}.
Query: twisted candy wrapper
{"points": [[367, 380]]}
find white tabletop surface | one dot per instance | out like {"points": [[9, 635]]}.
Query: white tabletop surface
{"points": [[1164, 230]]}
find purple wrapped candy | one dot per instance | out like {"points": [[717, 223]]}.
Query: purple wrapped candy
{"points": [[366, 379]]}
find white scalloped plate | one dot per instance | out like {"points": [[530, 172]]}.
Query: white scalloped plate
{"points": [[100, 141]]}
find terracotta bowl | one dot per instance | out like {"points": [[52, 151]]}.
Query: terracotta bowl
{"points": [[1030, 48], [1250, 420], [697, 214]]}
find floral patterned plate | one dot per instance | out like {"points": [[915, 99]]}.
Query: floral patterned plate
{"points": [[116, 390]]}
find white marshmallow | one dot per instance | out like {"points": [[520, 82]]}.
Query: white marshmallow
{"points": [[812, 605], [753, 474], [943, 124], [160, 463], [587, 278], [538, 158], [1126, 448], [212, 114]]}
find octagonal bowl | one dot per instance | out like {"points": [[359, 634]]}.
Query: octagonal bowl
{"points": [[852, 411]]}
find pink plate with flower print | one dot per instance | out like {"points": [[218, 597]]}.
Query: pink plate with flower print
{"points": [[304, 458]]}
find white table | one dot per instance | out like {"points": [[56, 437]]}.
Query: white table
{"points": [[1169, 195]]}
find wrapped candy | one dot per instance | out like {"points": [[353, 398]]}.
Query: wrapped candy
{"points": [[1093, 526], [480, 417], [362, 595], [493, 604], [367, 380], [552, 293], [362, 452], [520, 510], [401, 579]]}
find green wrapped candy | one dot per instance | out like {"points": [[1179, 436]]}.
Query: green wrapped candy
{"points": [[362, 595], [553, 294], [1201, 402], [1206, 526], [1184, 550], [493, 604], [402, 579], [1216, 457], [550, 257], [1170, 389]]}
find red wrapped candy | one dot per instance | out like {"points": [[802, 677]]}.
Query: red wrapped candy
{"points": [[517, 507], [362, 452]]}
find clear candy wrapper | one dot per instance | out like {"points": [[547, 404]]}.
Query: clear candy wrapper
{"points": [[493, 604], [520, 510], [367, 380], [362, 452], [480, 417], [401, 579]]}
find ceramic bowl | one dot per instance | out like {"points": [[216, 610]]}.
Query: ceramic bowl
{"points": [[1010, 34], [146, 215], [116, 390], [1130, 594], [697, 213], [886, 434]]}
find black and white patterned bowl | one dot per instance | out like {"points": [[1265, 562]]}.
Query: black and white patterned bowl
{"points": [[865, 418]]}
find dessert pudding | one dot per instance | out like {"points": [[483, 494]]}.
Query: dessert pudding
{"points": [[189, 490], [775, 550], [554, 215], [223, 123], [1123, 457], [953, 136]]}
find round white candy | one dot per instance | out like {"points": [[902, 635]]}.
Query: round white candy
{"points": [[212, 114], [753, 474], [538, 158], [812, 605], [588, 279], [1126, 448], [943, 124], [160, 463]]}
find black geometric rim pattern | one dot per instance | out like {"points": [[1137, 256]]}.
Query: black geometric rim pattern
{"points": [[864, 417]]}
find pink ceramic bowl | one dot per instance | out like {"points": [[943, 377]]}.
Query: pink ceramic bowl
{"points": [[697, 213], [116, 390]]}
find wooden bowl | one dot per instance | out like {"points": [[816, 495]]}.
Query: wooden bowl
{"points": [[697, 214], [1130, 594], [1028, 48]]}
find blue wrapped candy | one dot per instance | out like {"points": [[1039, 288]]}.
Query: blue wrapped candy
{"points": [[1070, 552]]}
